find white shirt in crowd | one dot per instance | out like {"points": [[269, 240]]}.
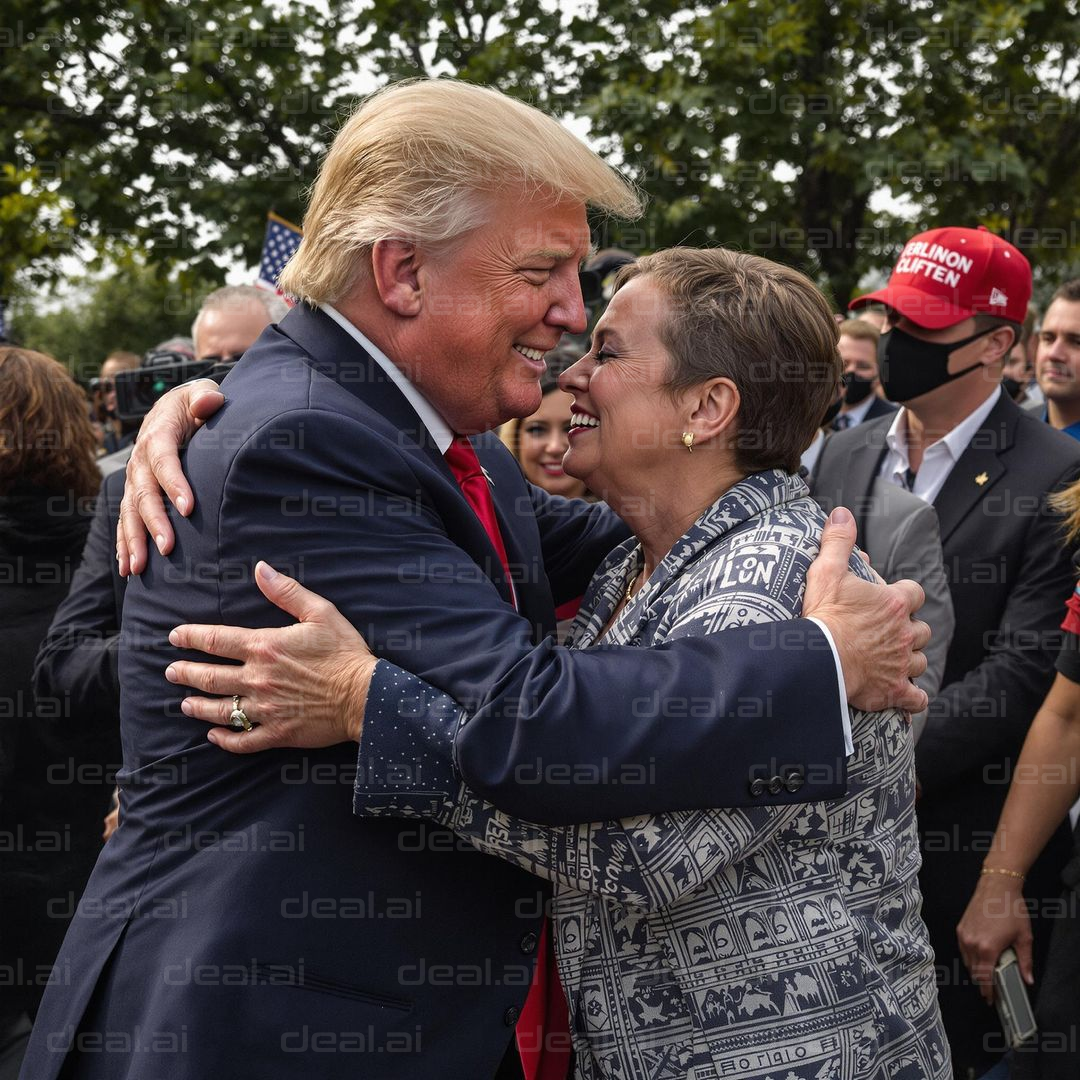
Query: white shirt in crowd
{"points": [[939, 458], [857, 413]]}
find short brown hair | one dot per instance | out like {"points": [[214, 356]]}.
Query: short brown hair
{"points": [[860, 330], [761, 324], [1069, 290], [45, 435]]}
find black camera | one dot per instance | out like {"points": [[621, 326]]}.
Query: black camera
{"points": [[138, 389]]}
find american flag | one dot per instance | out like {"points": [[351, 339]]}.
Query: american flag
{"points": [[282, 239]]}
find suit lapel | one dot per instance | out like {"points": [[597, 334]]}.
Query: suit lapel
{"points": [[979, 468], [494, 458], [333, 353], [867, 449]]}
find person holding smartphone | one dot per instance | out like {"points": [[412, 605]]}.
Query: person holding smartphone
{"points": [[1044, 785]]}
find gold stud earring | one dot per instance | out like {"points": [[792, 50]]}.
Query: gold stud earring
{"points": [[688, 440]]}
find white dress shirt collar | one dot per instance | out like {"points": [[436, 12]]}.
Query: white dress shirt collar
{"points": [[939, 458], [439, 430], [857, 413]]}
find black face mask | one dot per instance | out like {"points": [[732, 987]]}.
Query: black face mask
{"points": [[831, 412], [856, 388], [911, 367], [1012, 387]]}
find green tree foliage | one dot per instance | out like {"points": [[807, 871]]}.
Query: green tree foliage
{"points": [[774, 126], [1000, 98], [134, 307]]}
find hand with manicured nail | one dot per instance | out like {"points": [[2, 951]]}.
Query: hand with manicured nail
{"points": [[303, 685]]}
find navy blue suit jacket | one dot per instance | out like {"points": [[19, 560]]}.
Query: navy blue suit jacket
{"points": [[241, 920]]}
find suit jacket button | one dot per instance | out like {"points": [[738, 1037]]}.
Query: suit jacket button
{"points": [[528, 943], [794, 781], [510, 1017], [757, 787], [775, 784]]}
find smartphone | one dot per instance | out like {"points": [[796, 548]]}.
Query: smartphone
{"points": [[1011, 999]]}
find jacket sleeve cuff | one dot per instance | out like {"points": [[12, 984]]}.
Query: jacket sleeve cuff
{"points": [[405, 766], [845, 715]]}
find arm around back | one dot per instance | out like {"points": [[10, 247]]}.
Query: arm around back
{"points": [[689, 725]]}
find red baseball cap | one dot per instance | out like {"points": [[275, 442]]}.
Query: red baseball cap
{"points": [[947, 275]]}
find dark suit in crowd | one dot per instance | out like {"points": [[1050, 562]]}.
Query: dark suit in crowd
{"points": [[1008, 570], [79, 657], [55, 754], [878, 407], [242, 921]]}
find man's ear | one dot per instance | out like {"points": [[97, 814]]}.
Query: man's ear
{"points": [[999, 343], [714, 406], [394, 265]]}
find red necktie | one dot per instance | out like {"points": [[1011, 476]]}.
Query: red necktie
{"points": [[465, 466], [543, 1030]]}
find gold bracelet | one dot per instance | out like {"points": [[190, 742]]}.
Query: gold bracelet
{"points": [[999, 870]]}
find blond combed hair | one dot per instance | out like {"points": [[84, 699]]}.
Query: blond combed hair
{"points": [[420, 160], [860, 330]]}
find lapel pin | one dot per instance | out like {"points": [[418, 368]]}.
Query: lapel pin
{"points": [[487, 476], [981, 478]]}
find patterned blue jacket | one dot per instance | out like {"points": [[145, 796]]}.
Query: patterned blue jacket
{"points": [[772, 942]]}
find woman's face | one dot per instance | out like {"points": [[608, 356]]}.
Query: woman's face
{"points": [[542, 441], [625, 428]]}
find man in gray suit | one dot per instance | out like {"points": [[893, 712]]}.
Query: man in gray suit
{"points": [[902, 539]]}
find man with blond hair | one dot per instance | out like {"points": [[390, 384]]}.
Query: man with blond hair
{"points": [[241, 920]]}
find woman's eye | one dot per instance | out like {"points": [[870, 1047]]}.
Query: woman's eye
{"points": [[603, 356], [537, 431]]}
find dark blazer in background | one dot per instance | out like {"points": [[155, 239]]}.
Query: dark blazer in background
{"points": [[241, 916], [55, 753], [878, 408], [78, 658], [1008, 570]]}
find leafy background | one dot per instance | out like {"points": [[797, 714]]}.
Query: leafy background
{"points": [[141, 147]]}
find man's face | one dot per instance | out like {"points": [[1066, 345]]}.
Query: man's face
{"points": [[1057, 361], [492, 304], [225, 333], [859, 356], [959, 359]]}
